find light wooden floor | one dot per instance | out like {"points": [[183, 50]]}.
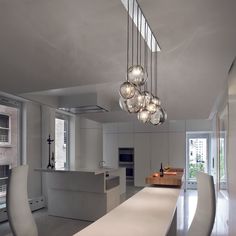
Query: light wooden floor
{"points": [[57, 226]]}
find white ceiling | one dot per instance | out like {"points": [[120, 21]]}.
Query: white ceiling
{"points": [[81, 45]]}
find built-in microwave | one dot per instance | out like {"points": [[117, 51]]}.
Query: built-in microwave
{"points": [[126, 155]]}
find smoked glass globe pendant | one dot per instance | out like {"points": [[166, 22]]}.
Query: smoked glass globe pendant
{"points": [[155, 117], [156, 100], [135, 103], [136, 75], [127, 90], [147, 98], [123, 105], [163, 116], [143, 115], [151, 107]]}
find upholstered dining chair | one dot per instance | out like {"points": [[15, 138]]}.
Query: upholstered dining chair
{"points": [[204, 218], [19, 214]]}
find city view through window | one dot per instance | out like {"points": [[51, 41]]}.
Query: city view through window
{"points": [[198, 156], [61, 143]]}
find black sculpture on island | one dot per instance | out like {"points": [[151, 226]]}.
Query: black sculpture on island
{"points": [[50, 165]]}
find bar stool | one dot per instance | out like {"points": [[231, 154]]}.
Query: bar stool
{"points": [[204, 217], [19, 214]]}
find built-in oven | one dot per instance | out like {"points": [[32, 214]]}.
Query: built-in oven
{"points": [[126, 159], [130, 173]]}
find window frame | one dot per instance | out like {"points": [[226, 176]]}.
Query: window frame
{"points": [[7, 144]]}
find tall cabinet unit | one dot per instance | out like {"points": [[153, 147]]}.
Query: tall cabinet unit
{"points": [[152, 145], [142, 158]]}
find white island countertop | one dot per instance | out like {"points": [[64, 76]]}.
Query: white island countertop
{"points": [[96, 171], [149, 212]]}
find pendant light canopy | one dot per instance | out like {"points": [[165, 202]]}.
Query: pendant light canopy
{"points": [[135, 95]]}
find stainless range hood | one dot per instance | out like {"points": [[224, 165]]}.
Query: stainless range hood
{"points": [[84, 103]]}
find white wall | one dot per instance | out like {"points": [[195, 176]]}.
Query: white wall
{"points": [[152, 145], [232, 151], [32, 144]]}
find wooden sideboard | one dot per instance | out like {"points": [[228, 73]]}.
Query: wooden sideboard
{"points": [[173, 177]]}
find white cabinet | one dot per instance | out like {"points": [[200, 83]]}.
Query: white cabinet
{"points": [[177, 147], [159, 151], [152, 145], [141, 158], [90, 147], [125, 140], [110, 149]]}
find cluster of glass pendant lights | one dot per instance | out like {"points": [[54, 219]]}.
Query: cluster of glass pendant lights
{"points": [[135, 97]]}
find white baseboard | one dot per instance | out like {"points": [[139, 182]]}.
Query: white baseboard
{"points": [[35, 204], [191, 185]]}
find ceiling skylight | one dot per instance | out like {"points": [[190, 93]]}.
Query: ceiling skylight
{"points": [[141, 20]]}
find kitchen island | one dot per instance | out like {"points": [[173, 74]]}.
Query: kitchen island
{"points": [[173, 177], [84, 194]]}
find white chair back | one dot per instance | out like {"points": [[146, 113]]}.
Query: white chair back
{"points": [[19, 214], [204, 217]]}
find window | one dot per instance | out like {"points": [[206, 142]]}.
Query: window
{"points": [[9, 142], [5, 132], [222, 161], [197, 154], [61, 141]]}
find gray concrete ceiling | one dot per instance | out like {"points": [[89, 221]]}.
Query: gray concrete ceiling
{"points": [[57, 44]]}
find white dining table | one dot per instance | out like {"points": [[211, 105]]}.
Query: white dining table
{"points": [[150, 212]]}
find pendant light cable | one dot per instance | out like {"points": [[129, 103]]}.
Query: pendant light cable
{"points": [[133, 34], [140, 38], [127, 41], [156, 69], [151, 64], [145, 53], [137, 18]]}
